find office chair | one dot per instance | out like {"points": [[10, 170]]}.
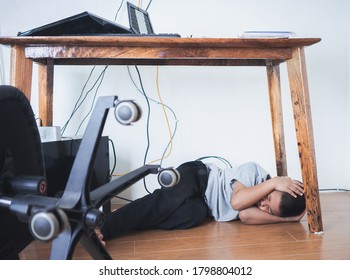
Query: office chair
{"points": [[74, 216], [19, 144]]}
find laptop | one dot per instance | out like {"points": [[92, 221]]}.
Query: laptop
{"points": [[140, 22], [81, 24], [88, 24]]}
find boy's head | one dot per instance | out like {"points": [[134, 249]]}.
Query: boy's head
{"points": [[291, 206], [282, 204]]}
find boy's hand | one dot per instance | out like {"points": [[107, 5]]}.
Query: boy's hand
{"points": [[286, 184]]}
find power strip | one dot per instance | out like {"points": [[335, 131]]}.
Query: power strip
{"points": [[50, 133]]}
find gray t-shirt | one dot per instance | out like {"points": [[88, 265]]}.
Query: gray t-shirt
{"points": [[221, 184]]}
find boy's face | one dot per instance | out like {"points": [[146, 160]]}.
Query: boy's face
{"points": [[271, 203]]}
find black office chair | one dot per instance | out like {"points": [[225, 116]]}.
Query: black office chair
{"points": [[20, 154], [71, 218]]}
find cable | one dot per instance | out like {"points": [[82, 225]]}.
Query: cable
{"points": [[101, 77], [123, 198], [170, 141], [170, 144], [40, 121], [116, 14], [225, 161], [150, 2], [172, 135], [114, 156], [142, 91], [147, 126], [80, 102], [148, 114], [76, 106]]}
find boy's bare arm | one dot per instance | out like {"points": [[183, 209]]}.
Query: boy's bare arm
{"points": [[243, 197], [254, 216]]}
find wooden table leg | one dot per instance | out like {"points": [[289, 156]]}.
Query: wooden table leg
{"points": [[46, 72], [305, 140], [21, 70], [273, 77]]}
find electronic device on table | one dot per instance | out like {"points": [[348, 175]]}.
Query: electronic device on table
{"points": [[89, 24]]}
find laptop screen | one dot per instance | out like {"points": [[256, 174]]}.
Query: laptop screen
{"points": [[139, 20]]}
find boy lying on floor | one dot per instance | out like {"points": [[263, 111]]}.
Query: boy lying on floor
{"points": [[246, 192]]}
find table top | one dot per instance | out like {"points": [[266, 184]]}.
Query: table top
{"points": [[134, 50], [162, 41]]}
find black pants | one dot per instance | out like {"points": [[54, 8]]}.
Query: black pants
{"points": [[178, 207]]}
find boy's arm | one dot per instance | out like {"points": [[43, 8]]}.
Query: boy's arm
{"points": [[254, 216], [243, 197]]}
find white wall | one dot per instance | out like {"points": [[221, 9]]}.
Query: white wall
{"points": [[348, 102], [221, 111]]}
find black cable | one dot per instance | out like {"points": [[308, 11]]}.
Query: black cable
{"points": [[114, 156], [150, 2], [123, 198], [40, 121], [79, 102], [101, 77], [148, 114], [167, 107], [116, 14], [76, 106], [148, 121]]}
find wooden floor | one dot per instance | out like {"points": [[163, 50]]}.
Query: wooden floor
{"points": [[233, 240]]}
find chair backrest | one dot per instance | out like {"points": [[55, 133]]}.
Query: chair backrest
{"points": [[20, 143], [19, 133]]}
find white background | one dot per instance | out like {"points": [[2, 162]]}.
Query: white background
{"points": [[275, 269], [221, 111]]}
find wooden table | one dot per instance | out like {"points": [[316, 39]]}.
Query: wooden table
{"points": [[110, 50]]}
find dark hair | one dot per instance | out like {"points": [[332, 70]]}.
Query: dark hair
{"points": [[291, 206]]}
